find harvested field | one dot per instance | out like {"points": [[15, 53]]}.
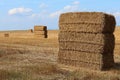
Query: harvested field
{"points": [[18, 34], [36, 59]]}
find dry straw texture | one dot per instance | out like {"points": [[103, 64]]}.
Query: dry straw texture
{"points": [[95, 58], [96, 22], [87, 47], [85, 37], [86, 40]]}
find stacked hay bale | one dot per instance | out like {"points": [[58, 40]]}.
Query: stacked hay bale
{"points": [[86, 40], [40, 31]]}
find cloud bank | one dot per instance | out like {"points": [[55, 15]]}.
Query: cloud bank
{"points": [[20, 10], [68, 8]]}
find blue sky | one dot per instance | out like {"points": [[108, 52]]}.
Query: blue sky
{"points": [[24, 14]]}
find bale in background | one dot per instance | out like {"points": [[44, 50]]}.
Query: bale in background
{"points": [[40, 28], [40, 31], [31, 30], [6, 34]]}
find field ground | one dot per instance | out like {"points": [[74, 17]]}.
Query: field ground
{"points": [[36, 59]]}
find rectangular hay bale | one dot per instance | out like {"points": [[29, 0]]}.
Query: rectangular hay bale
{"points": [[87, 37], [40, 28], [96, 22], [81, 64], [82, 59], [86, 40], [80, 56], [86, 47]]}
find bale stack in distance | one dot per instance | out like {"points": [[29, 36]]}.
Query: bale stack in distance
{"points": [[40, 31], [6, 35], [86, 40]]}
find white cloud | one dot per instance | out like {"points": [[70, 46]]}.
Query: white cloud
{"points": [[37, 15], [43, 5], [67, 8], [20, 10], [34, 15], [42, 14], [52, 15], [117, 14], [76, 2], [71, 8]]}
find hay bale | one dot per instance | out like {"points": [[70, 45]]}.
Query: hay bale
{"points": [[40, 28], [6, 35], [88, 57], [86, 37], [81, 64], [96, 22], [87, 47], [86, 40], [74, 58], [40, 32], [31, 30], [78, 55]]}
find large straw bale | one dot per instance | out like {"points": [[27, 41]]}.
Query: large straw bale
{"points": [[79, 27], [86, 56], [74, 58], [81, 56], [87, 47], [87, 37], [40, 28], [81, 64], [96, 22], [92, 66], [86, 40]]}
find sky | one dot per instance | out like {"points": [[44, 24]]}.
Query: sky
{"points": [[24, 14]]}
